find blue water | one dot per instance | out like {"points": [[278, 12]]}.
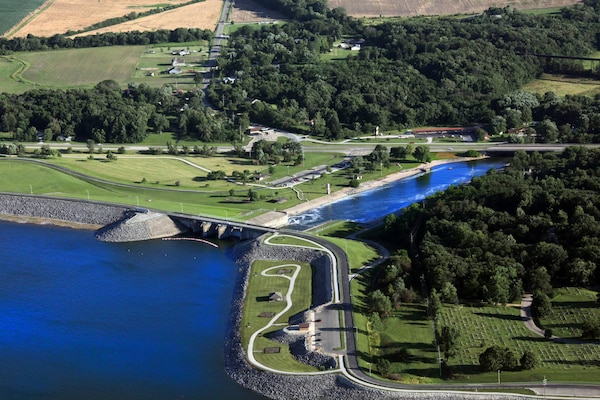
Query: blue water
{"points": [[81, 319], [377, 203]]}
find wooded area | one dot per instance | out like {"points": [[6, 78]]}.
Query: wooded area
{"points": [[419, 71], [531, 227]]}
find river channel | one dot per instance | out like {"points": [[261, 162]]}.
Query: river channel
{"points": [[82, 319]]}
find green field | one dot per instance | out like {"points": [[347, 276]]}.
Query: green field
{"points": [[13, 11], [562, 86], [203, 200], [256, 303], [67, 68]]}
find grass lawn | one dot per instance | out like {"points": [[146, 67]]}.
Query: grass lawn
{"points": [[406, 341], [570, 307], [161, 196], [81, 67], [562, 86], [68, 68], [9, 66], [256, 303], [359, 253], [292, 241], [482, 327]]}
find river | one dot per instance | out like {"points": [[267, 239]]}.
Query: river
{"points": [[377, 203], [82, 319]]}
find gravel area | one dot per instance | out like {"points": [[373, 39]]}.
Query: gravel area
{"points": [[285, 387], [57, 209]]}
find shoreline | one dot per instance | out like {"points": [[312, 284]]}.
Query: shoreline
{"points": [[374, 184], [24, 219]]}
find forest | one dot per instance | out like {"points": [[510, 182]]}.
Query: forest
{"points": [[531, 227], [108, 114], [412, 72]]}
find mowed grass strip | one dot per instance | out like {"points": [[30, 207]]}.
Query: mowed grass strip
{"points": [[256, 303], [291, 241], [81, 67], [482, 327]]}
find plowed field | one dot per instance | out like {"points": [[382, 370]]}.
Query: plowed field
{"points": [[388, 8], [64, 15]]}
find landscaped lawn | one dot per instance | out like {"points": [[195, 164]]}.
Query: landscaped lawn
{"points": [[256, 303]]}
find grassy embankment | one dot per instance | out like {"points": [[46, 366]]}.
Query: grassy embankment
{"points": [[161, 182]]}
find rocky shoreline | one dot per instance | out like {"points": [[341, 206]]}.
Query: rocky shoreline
{"points": [[74, 213]]}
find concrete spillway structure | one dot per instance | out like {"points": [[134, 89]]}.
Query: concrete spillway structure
{"points": [[221, 229]]}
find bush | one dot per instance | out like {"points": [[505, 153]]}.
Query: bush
{"points": [[354, 183]]}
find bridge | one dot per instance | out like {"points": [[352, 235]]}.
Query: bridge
{"points": [[542, 148], [219, 228]]}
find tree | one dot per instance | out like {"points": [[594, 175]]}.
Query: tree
{"points": [[435, 303], [447, 339], [590, 329], [380, 303], [91, 145], [548, 333], [422, 154], [548, 130], [541, 305], [528, 360], [495, 358], [252, 195], [110, 156], [383, 366], [399, 153]]}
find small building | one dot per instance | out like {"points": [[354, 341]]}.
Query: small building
{"points": [[178, 62], [275, 296], [303, 327], [175, 71]]}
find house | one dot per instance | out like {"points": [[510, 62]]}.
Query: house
{"points": [[275, 296], [174, 70], [178, 62]]}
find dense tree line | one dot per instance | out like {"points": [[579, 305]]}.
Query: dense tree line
{"points": [[418, 71], [35, 43], [108, 114], [531, 227]]}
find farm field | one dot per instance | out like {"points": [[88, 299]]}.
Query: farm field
{"points": [[68, 68], [203, 15], [409, 8], [13, 11], [64, 15]]}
